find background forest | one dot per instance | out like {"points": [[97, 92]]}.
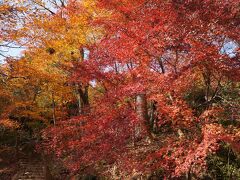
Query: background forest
{"points": [[121, 89]]}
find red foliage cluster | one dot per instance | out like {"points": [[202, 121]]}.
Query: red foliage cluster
{"points": [[164, 49]]}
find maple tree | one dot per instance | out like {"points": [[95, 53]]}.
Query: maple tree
{"points": [[153, 82], [164, 53]]}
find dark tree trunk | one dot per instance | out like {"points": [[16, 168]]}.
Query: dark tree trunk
{"points": [[160, 61], [54, 109], [152, 117], [84, 99]]}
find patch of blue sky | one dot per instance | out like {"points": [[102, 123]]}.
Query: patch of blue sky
{"points": [[230, 48], [10, 52]]}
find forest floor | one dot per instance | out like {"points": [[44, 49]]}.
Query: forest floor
{"points": [[8, 162], [24, 165]]}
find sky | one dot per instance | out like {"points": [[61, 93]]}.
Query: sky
{"points": [[229, 48], [16, 52], [13, 52]]}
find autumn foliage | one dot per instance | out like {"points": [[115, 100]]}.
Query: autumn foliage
{"points": [[152, 84]]}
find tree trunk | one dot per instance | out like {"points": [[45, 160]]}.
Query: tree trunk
{"points": [[160, 61], [54, 109], [79, 103], [141, 110], [152, 118], [83, 99], [82, 90]]}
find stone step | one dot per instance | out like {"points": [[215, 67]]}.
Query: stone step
{"points": [[29, 177], [33, 173], [30, 170], [32, 179]]}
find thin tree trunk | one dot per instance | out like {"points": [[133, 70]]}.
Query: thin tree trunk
{"points": [[152, 118], [176, 62], [84, 98], [79, 101], [81, 51], [161, 65], [54, 109], [207, 80], [82, 91]]}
